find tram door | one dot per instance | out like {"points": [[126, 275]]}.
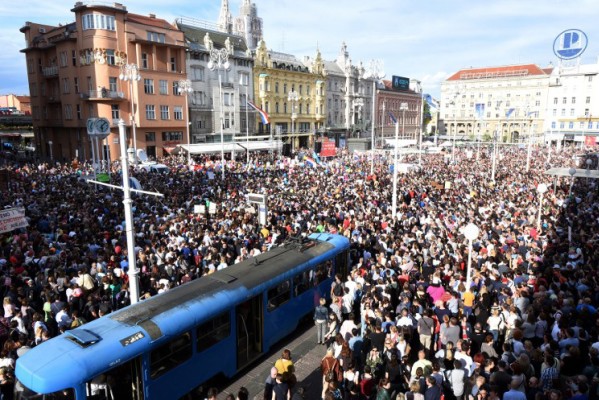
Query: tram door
{"points": [[123, 382], [249, 330]]}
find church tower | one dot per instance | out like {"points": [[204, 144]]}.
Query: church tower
{"points": [[225, 20], [248, 24]]}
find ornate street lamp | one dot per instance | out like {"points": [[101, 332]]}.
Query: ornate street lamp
{"points": [[219, 60], [184, 87], [130, 73]]}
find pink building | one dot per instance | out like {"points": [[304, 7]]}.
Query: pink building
{"points": [[74, 74]]}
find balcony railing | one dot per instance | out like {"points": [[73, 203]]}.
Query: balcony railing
{"points": [[103, 94], [50, 71]]}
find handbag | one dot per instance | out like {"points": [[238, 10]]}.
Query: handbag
{"points": [[330, 375]]}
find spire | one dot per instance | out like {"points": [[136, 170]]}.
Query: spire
{"points": [[225, 20]]}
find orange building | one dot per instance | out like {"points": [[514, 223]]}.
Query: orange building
{"points": [[74, 73]]}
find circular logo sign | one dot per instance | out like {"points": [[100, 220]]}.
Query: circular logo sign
{"points": [[570, 44]]}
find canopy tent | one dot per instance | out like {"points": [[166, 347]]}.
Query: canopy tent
{"points": [[211, 148], [580, 173], [401, 142]]}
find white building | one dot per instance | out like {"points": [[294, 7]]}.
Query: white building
{"points": [[507, 101], [573, 104]]}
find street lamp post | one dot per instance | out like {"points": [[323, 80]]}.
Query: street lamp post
{"points": [[50, 147], [293, 98], [529, 151], [403, 107], [130, 73], [247, 121], [571, 172], [455, 124], [219, 60], [498, 131], [375, 72], [471, 233], [185, 88], [542, 189]]}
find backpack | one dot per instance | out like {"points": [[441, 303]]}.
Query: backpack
{"points": [[338, 289]]}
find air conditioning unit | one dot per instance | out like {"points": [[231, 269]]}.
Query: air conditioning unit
{"points": [[42, 30]]}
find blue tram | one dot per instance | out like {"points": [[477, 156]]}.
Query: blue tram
{"points": [[167, 346]]}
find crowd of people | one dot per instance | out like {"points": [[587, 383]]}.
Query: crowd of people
{"points": [[401, 324]]}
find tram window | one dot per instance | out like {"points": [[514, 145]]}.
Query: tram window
{"points": [[22, 392], [341, 263], [213, 331], [170, 355], [324, 271], [278, 295], [302, 282]]}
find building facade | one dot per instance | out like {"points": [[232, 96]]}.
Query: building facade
{"points": [[506, 102], [388, 102], [208, 102], [292, 93], [247, 25], [349, 95], [573, 104], [74, 73], [20, 104]]}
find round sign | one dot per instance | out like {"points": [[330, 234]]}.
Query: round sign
{"points": [[570, 44]]}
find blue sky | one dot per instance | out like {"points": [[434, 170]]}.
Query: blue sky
{"points": [[422, 40]]}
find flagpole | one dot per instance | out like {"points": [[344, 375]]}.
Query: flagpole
{"points": [[394, 199]]}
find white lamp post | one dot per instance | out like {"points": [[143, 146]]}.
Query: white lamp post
{"points": [[130, 73], [588, 171], [471, 232], [529, 151], [185, 88], [293, 98], [403, 107], [375, 72], [247, 120], [219, 60], [498, 131], [542, 189], [572, 172], [50, 147]]}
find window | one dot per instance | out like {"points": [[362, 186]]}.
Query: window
{"points": [[98, 21], [65, 85], [588, 100], [198, 98], [173, 64], [571, 125], [278, 295], [555, 112], [590, 78], [302, 282], [78, 112], [164, 112], [284, 88], [561, 125], [110, 57], [590, 125], [150, 111], [163, 83], [74, 58], [63, 59], [112, 83], [172, 136], [178, 112], [155, 37], [149, 86], [144, 60], [538, 103], [150, 136], [573, 100], [170, 355], [572, 112], [43, 88], [68, 111], [564, 100], [33, 89], [586, 112], [553, 125], [76, 84], [244, 79], [563, 112], [212, 332], [115, 112], [308, 90], [197, 73], [301, 88], [176, 88], [277, 107], [276, 87]]}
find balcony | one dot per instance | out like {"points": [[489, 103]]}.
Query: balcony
{"points": [[49, 72], [102, 95], [227, 84]]}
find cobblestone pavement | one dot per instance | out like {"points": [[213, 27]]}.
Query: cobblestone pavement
{"points": [[306, 355]]}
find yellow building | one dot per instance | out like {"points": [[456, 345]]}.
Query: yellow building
{"points": [[292, 93]]}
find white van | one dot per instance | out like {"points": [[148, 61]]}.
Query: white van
{"points": [[150, 166]]}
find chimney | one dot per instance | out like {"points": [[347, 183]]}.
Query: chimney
{"points": [[153, 16]]}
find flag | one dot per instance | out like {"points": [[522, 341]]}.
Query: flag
{"points": [[509, 112], [316, 157], [265, 117], [392, 117], [480, 110], [309, 161]]}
